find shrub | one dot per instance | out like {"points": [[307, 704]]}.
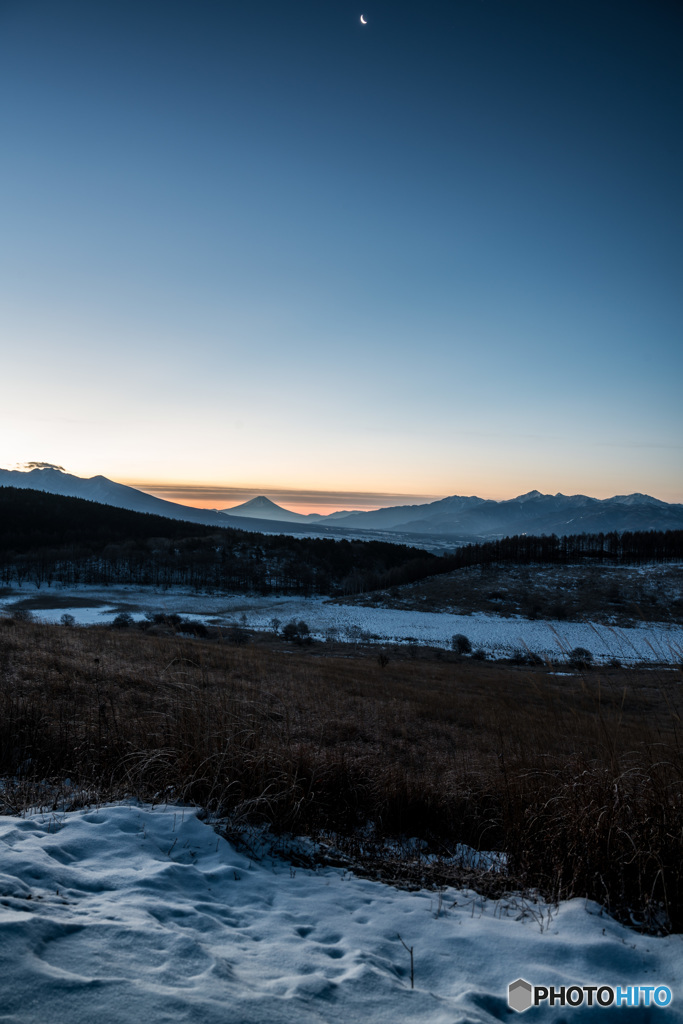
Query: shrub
{"points": [[461, 644], [67, 620], [297, 632], [123, 621], [164, 619], [192, 628], [580, 657]]}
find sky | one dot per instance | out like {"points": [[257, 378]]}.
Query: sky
{"points": [[261, 248]]}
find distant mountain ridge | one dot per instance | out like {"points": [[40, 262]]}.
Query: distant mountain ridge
{"points": [[528, 513], [108, 492], [458, 517]]}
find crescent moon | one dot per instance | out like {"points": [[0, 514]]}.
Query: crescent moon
{"points": [[362, 20]]}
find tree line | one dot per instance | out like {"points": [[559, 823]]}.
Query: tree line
{"points": [[627, 548], [49, 538]]}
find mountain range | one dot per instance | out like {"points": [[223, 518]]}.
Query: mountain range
{"points": [[456, 518], [532, 513], [108, 492]]}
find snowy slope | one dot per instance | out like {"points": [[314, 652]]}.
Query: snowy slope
{"points": [[127, 913]]}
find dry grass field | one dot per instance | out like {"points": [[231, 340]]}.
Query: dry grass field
{"points": [[621, 595], [577, 777]]}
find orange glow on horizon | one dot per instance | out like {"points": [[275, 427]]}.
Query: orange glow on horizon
{"points": [[303, 509], [208, 496]]}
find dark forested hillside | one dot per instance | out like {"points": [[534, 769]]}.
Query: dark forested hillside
{"points": [[629, 547], [47, 538]]}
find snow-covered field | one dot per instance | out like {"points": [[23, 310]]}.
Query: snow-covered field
{"points": [[498, 637], [131, 913]]}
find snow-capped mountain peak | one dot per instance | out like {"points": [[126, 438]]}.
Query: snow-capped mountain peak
{"points": [[262, 507]]}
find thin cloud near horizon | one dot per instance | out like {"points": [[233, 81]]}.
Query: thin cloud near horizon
{"points": [[326, 501], [237, 495]]}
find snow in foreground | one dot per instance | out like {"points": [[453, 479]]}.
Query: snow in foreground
{"points": [[129, 913]]}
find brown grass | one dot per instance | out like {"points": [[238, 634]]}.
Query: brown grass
{"points": [[578, 778], [609, 594]]}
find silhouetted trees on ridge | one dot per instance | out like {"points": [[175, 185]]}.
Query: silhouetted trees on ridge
{"points": [[629, 547]]}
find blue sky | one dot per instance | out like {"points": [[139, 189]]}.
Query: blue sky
{"points": [[262, 247]]}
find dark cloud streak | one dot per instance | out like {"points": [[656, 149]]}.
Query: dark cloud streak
{"points": [[27, 466], [188, 493]]}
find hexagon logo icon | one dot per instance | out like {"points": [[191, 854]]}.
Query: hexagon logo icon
{"points": [[519, 995]]}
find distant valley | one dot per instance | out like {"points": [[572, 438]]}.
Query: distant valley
{"points": [[86, 561]]}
